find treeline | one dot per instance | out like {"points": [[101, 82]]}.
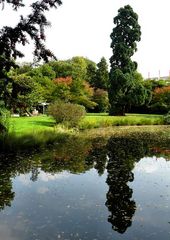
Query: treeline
{"points": [[77, 80], [158, 100], [80, 81]]}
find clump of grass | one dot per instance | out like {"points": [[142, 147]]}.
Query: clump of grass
{"points": [[95, 121]]}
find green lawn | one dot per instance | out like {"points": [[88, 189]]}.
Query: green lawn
{"points": [[31, 124], [42, 123]]}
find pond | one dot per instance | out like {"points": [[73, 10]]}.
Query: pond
{"points": [[115, 189]]}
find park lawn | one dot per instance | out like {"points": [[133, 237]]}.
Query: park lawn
{"points": [[24, 125]]}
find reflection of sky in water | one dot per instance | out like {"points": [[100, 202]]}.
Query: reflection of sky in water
{"points": [[59, 206], [152, 165], [69, 206], [151, 191], [42, 176]]}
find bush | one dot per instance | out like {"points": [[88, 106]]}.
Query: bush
{"points": [[167, 118], [66, 113]]}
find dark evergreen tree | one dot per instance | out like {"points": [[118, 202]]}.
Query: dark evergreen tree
{"points": [[125, 36], [102, 75], [29, 27]]}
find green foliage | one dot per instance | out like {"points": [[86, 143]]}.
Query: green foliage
{"points": [[161, 100], [29, 28], [4, 119], [44, 70], [101, 98], [124, 37], [66, 113], [25, 93], [91, 72], [167, 119], [102, 75], [124, 41], [84, 101], [78, 91]]}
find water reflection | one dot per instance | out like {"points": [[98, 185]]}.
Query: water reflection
{"points": [[122, 152], [71, 201], [75, 156], [6, 193]]}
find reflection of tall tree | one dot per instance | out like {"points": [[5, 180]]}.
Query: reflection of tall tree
{"points": [[67, 156], [122, 154]]}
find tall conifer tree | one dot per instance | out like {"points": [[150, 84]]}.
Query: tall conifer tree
{"points": [[125, 36]]}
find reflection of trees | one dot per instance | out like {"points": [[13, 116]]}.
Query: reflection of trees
{"points": [[78, 155], [6, 194], [97, 156], [34, 173], [123, 152], [68, 156], [9, 168]]}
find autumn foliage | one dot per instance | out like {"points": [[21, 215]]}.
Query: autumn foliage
{"points": [[162, 90], [63, 80]]}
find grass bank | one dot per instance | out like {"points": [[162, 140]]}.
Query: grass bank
{"points": [[27, 133], [25, 125], [13, 143]]}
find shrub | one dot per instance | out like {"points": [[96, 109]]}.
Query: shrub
{"points": [[66, 113], [4, 120]]}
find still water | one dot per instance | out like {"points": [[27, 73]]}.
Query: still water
{"points": [[96, 190]]}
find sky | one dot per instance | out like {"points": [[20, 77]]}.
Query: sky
{"points": [[83, 28]]}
